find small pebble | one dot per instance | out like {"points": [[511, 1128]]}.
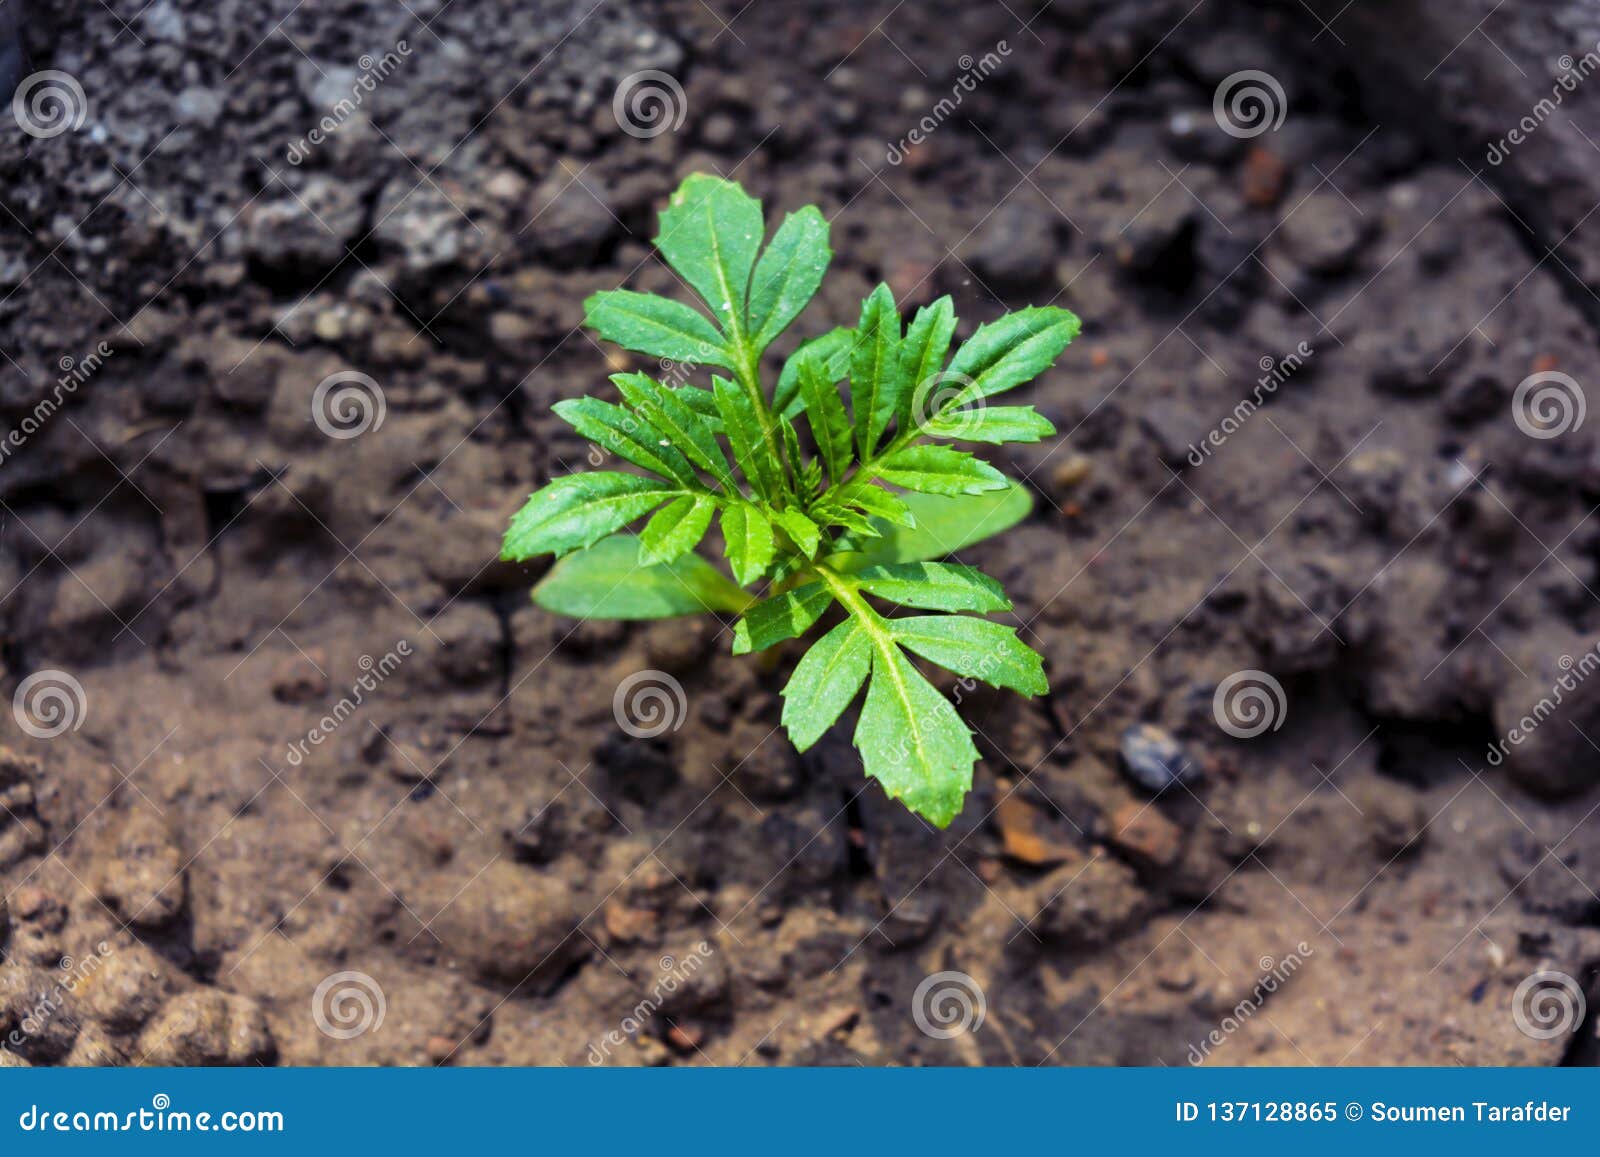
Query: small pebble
{"points": [[1072, 473], [1154, 759]]}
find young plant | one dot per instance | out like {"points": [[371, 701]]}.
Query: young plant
{"points": [[853, 515]]}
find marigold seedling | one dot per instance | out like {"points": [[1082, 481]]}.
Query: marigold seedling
{"points": [[853, 516]]}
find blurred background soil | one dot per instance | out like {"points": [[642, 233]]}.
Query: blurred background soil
{"points": [[509, 871]]}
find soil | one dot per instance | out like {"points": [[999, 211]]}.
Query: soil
{"points": [[512, 876]]}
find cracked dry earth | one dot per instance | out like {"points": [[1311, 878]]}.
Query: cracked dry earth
{"points": [[506, 869]]}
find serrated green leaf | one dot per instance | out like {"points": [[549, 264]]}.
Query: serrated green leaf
{"points": [[702, 402], [939, 470], [873, 500], [791, 451], [994, 424], [579, 509], [788, 274], [1011, 350], [607, 581], [676, 528], [912, 741], [824, 682], [875, 369], [710, 233], [800, 529], [977, 648], [674, 418], [944, 525], [934, 586], [830, 512], [922, 355], [650, 324], [830, 425], [810, 480], [785, 616], [831, 352], [749, 542], [626, 435], [743, 429]]}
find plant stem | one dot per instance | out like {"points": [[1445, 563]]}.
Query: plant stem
{"points": [[750, 381], [845, 591]]}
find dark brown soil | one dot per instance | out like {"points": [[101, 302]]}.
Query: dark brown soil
{"points": [[481, 841]]}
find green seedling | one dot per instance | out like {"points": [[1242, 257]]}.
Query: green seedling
{"points": [[852, 515]]}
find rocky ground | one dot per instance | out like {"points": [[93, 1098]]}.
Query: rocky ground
{"points": [[472, 863]]}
